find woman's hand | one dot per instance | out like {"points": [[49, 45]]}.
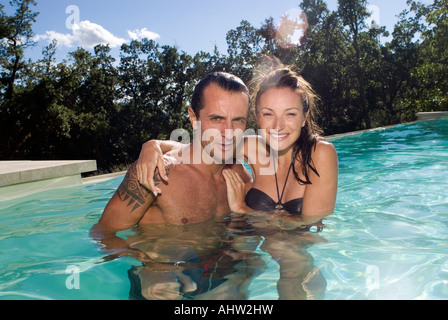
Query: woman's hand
{"points": [[150, 159], [236, 191]]}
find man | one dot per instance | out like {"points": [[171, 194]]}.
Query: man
{"points": [[196, 191]]}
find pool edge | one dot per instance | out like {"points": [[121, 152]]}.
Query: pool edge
{"points": [[25, 177]]}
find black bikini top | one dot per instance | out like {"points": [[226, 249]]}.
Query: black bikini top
{"points": [[259, 200]]}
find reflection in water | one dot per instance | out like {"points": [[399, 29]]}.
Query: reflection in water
{"points": [[198, 261], [286, 238], [299, 279], [219, 258]]}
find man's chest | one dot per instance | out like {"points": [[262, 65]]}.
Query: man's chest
{"points": [[192, 201]]}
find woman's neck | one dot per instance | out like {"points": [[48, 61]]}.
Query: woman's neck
{"points": [[283, 158]]}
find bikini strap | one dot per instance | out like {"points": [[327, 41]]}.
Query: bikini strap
{"points": [[284, 186]]}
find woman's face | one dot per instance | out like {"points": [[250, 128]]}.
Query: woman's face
{"points": [[280, 114]]}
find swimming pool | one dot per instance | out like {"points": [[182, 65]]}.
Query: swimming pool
{"points": [[386, 240]]}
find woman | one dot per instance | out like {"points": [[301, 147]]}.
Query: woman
{"points": [[303, 180]]}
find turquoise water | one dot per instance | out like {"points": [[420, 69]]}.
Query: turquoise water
{"points": [[388, 237], [386, 240]]}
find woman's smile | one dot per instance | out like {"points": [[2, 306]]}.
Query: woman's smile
{"points": [[279, 136]]}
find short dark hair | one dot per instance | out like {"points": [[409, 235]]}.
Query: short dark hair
{"points": [[224, 80]]}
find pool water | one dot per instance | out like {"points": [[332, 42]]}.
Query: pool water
{"points": [[386, 240], [388, 236]]}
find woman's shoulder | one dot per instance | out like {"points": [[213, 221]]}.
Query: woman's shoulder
{"points": [[324, 150]]}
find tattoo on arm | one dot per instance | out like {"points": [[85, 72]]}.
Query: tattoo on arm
{"points": [[131, 190]]}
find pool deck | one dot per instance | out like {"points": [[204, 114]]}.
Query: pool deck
{"points": [[431, 115], [21, 178]]}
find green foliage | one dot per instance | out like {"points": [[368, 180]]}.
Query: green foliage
{"points": [[92, 106]]}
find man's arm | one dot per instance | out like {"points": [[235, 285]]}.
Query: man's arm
{"points": [[129, 203]]}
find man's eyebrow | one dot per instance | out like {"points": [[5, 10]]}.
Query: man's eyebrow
{"points": [[215, 116], [218, 116]]}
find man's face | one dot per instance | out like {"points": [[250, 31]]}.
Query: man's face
{"points": [[223, 120]]}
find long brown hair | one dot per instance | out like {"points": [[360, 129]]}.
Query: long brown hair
{"points": [[284, 77]]}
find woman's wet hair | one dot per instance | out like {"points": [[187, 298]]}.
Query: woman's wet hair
{"points": [[284, 77], [224, 80]]}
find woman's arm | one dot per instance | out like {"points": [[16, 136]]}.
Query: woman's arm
{"points": [[320, 195], [150, 158]]}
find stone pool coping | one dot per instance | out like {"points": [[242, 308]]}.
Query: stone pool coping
{"points": [[21, 178]]}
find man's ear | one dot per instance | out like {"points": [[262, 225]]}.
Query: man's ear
{"points": [[193, 118]]}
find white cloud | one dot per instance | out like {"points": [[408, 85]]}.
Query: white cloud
{"points": [[66, 40], [87, 34], [139, 34]]}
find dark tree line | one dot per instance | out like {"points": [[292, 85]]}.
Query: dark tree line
{"points": [[91, 106]]}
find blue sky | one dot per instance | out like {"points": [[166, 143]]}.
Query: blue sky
{"points": [[192, 26]]}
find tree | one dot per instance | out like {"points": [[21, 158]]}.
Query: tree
{"points": [[15, 36], [342, 58], [353, 14], [325, 63], [244, 45], [430, 76], [90, 93], [400, 58]]}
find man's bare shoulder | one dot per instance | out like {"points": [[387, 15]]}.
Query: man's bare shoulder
{"points": [[178, 174]]}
